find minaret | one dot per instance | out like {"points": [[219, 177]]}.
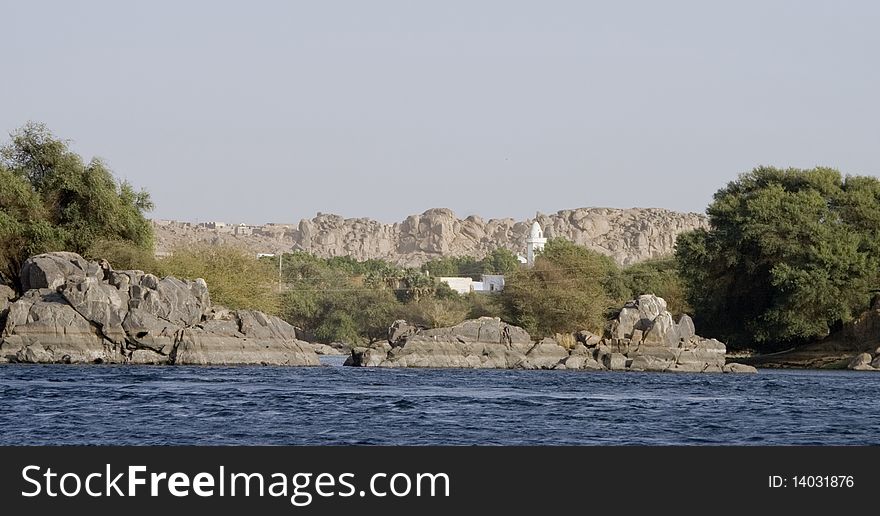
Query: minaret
{"points": [[534, 243]]}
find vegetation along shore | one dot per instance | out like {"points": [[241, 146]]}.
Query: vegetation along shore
{"points": [[782, 271]]}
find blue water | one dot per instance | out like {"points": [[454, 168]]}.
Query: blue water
{"points": [[65, 404]]}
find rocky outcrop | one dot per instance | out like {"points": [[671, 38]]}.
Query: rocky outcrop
{"points": [[627, 235], [649, 339], [865, 361], [7, 295], [76, 311], [52, 270], [480, 343], [643, 337]]}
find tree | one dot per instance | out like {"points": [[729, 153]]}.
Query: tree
{"points": [[455, 266], [344, 313], [52, 200], [501, 261], [562, 292], [788, 255], [659, 277], [339, 299]]}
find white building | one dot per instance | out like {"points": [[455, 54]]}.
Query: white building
{"points": [[489, 283], [535, 243], [242, 229], [459, 284], [492, 283]]}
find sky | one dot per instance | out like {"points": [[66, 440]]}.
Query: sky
{"points": [[273, 111]]}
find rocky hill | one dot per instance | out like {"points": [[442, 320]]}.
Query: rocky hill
{"points": [[627, 235]]}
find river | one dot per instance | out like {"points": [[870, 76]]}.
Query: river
{"points": [[144, 405]]}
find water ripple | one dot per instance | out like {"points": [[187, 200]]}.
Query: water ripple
{"points": [[334, 405]]}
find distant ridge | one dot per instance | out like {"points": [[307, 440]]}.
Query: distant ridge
{"points": [[627, 235]]}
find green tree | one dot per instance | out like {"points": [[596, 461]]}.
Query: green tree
{"points": [[563, 292], [52, 200], [501, 261], [659, 277], [788, 255], [340, 299], [455, 266]]}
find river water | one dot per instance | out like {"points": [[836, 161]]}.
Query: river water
{"points": [[140, 405]]}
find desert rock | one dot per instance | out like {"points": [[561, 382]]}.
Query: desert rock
{"points": [[627, 235], [76, 311]]}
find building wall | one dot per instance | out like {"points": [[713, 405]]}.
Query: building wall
{"points": [[493, 282], [460, 285]]}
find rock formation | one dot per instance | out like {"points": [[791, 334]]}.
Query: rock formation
{"points": [[627, 235], [643, 337], [76, 311]]}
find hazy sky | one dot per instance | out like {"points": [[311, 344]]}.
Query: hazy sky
{"points": [[272, 111]]}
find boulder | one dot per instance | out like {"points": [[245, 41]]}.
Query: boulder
{"points": [[860, 362], [590, 364], [201, 347], [324, 349], [580, 349], [650, 306], [42, 327], [449, 352], [738, 368], [484, 329], [52, 270], [628, 320], [661, 331], [703, 352], [261, 326], [400, 330], [575, 361], [179, 302], [651, 363], [685, 326], [7, 294], [365, 357], [546, 354], [692, 367], [147, 357], [614, 361], [100, 303], [145, 330], [587, 338]]}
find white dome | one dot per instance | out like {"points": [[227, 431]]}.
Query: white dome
{"points": [[536, 231]]}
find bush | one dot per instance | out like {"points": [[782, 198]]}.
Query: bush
{"points": [[436, 313], [124, 255], [564, 292], [658, 277], [236, 278]]}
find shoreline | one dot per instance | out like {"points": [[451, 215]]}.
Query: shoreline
{"points": [[340, 359]]}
